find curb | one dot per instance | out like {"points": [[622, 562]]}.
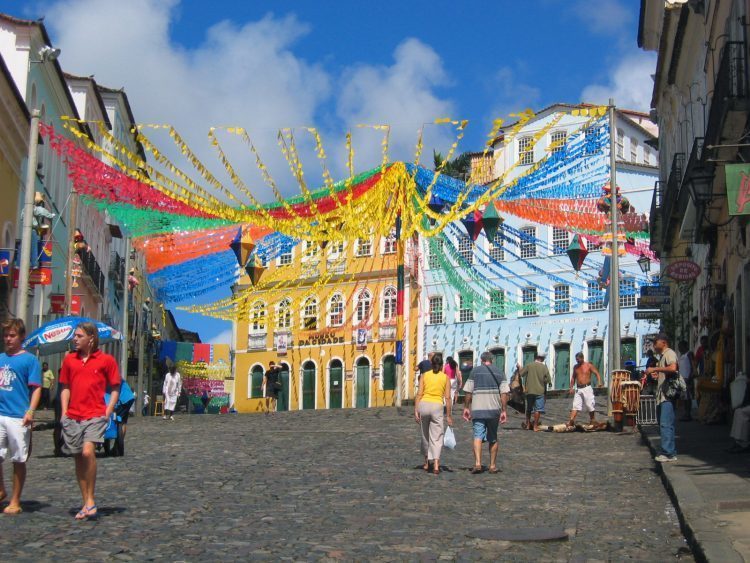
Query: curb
{"points": [[704, 537]]}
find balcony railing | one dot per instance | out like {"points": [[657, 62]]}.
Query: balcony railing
{"points": [[730, 89], [117, 269], [93, 271], [387, 332]]}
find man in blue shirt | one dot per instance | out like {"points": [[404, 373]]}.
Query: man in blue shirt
{"points": [[20, 392]]}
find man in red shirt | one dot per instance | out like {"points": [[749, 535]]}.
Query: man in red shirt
{"points": [[85, 376]]}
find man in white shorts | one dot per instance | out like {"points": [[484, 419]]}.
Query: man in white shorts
{"points": [[584, 393], [20, 392]]}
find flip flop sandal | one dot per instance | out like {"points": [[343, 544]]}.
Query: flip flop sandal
{"points": [[85, 513], [12, 510], [476, 470], [494, 470]]}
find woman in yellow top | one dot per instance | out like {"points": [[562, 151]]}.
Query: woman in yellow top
{"points": [[434, 391]]}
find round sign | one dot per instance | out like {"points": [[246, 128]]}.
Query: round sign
{"points": [[683, 270]]}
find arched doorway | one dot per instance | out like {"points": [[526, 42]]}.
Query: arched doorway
{"points": [[256, 382], [498, 358], [465, 365], [335, 384], [628, 351], [308, 385], [389, 373], [596, 356], [562, 366], [282, 404], [528, 354], [363, 383]]}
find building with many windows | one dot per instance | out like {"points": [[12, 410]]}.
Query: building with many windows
{"points": [[537, 301], [333, 333]]}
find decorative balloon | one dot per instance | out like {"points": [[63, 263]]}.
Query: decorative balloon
{"points": [[473, 224], [254, 269], [577, 252], [491, 221], [604, 203]]}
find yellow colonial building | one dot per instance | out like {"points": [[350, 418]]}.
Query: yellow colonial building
{"points": [[333, 332]]}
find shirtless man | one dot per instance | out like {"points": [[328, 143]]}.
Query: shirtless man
{"points": [[584, 397]]}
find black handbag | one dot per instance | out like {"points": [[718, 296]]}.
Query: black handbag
{"points": [[673, 388]]}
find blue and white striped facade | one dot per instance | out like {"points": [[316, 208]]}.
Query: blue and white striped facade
{"points": [[570, 315]]}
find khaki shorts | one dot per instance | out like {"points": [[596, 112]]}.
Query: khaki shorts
{"points": [[15, 439], [75, 433]]}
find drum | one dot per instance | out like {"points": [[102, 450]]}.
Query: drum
{"points": [[618, 376], [630, 392]]}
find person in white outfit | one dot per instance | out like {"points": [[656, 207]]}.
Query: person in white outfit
{"points": [[171, 389]]}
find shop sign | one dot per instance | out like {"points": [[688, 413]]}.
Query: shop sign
{"points": [[738, 188], [321, 338], [57, 304], [683, 270]]}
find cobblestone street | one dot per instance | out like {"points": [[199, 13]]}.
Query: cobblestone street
{"points": [[344, 484]]}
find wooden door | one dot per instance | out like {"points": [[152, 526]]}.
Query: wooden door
{"points": [[308, 385], [335, 384], [596, 355], [562, 366], [363, 383]]}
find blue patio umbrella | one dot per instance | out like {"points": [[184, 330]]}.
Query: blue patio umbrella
{"points": [[57, 336]]}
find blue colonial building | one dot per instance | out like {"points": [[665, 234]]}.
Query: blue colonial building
{"points": [[519, 294]]}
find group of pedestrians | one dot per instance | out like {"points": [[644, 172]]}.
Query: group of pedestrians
{"points": [[85, 375]]}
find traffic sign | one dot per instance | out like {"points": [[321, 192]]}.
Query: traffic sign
{"points": [[647, 315], [653, 301], [654, 290]]}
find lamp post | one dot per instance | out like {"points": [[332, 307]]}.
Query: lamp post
{"points": [[614, 284], [644, 263]]}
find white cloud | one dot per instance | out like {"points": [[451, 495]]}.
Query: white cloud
{"points": [[247, 74], [401, 95], [224, 337], [512, 94], [603, 16], [629, 83]]}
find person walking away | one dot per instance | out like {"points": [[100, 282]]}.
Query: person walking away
{"points": [[171, 390], [124, 404], [584, 393], [146, 402], [20, 392], [666, 367], [454, 375], [485, 404], [535, 377], [434, 390], [86, 373], [271, 386], [685, 367], [48, 378]]}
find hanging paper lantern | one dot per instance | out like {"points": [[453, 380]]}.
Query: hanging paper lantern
{"points": [[473, 224], [491, 221], [254, 269], [577, 252], [242, 245]]}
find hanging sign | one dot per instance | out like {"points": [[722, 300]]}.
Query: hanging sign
{"points": [[651, 301], [647, 315], [44, 253], [5, 262], [40, 276], [282, 343], [738, 188], [654, 290], [683, 270], [362, 338], [57, 303]]}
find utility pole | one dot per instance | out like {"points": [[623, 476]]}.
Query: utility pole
{"points": [[24, 261], [614, 277], [72, 220], [124, 324]]}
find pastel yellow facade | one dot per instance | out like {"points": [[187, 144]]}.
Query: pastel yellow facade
{"points": [[333, 332]]}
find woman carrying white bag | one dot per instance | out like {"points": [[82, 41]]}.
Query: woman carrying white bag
{"points": [[434, 391]]}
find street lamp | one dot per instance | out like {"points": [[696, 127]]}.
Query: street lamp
{"points": [[644, 262]]}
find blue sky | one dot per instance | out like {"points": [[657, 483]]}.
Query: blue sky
{"points": [[331, 64]]}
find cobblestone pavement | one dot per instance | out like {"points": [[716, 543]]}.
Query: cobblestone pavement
{"points": [[343, 484]]}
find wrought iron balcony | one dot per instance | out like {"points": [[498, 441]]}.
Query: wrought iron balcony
{"points": [[117, 269], [671, 195], [730, 89], [256, 341], [387, 332], [93, 271]]}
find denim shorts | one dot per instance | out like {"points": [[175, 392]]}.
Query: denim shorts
{"points": [[485, 429], [535, 403]]}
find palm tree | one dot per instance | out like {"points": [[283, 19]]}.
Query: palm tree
{"points": [[459, 167]]}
